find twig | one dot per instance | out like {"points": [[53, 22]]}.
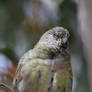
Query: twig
{"points": [[6, 88]]}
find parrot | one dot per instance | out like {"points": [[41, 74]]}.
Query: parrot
{"points": [[46, 67]]}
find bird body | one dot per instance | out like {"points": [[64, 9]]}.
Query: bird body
{"points": [[47, 67]]}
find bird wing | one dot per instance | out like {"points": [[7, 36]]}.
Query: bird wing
{"points": [[21, 63], [35, 72]]}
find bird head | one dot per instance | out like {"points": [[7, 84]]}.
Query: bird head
{"points": [[55, 38]]}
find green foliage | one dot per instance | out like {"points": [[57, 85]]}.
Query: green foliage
{"points": [[3, 2]]}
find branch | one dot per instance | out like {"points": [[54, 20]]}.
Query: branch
{"points": [[6, 88]]}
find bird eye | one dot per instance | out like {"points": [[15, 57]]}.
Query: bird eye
{"points": [[54, 34], [57, 35]]}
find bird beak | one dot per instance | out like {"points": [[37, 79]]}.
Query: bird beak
{"points": [[64, 40]]}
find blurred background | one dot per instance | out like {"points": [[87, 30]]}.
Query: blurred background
{"points": [[22, 22]]}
